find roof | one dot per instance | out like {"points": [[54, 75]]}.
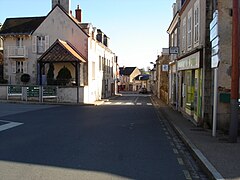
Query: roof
{"points": [[62, 51], [142, 77], [25, 25], [127, 71]]}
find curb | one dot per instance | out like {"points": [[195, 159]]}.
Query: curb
{"points": [[197, 154], [208, 167]]}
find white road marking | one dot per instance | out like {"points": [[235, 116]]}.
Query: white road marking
{"points": [[118, 103], [139, 104], [175, 151], [187, 174], [180, 161], [129, 103], [9, 125], [149, 104]]}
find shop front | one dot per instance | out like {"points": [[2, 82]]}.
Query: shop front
{"points": [[190, 73]]}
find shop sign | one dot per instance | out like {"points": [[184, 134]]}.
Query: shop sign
{"points": [[190, 62]]}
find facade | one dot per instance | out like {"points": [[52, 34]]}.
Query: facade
{"points": [[173, 31], [224, 51], [194, 72], [162, 79], [191, 66], [64, 41], [127, 75], [1, 55], [142, 81]]}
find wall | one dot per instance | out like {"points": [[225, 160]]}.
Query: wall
{"points": [[59, 26]]}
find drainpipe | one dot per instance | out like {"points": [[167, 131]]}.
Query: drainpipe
{"points": [[233, 129]]}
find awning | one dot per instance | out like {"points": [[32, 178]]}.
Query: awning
{"points": [[62, 51]]}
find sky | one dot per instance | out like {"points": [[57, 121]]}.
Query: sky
{"points": [[137, 28]]}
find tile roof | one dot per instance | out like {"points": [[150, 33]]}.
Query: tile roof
{"points": [[62, 51], [25, 25], [127, 71]]}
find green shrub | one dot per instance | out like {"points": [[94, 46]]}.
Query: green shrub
{"points": [[25, 78], [64, 76]]}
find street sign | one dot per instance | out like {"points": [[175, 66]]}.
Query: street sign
{"points": [[215, 50], [173, 50], [214, 38], [165, 67], [215, 61]]}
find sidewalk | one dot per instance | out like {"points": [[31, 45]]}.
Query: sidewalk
{"points": [[220, 159]]}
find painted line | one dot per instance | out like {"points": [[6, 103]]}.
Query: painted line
{"points": [[118, 103], [136, 99], [139, 104], [187, 175], [9, 125], [180, 161], [129, 103], [149, 104], [175, 151]]}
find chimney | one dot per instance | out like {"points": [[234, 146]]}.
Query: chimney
{"points": [[78, 13]]}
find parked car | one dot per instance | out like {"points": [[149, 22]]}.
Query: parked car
{"points": [[143, 91]]}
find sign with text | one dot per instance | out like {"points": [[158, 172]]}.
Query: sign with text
{"points": [[214, 38]]}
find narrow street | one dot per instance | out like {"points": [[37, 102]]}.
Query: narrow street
{"points": [[124, 138]]}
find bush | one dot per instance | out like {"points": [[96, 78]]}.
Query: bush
{"points": [[25, 78], [50, 74], [3, 81], [64, 76]]}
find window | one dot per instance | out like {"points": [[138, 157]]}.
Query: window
{"points": [[93, 70], [100, 63], [184, 35], [19, 67], [189, 30], [20, 42], [40, 44], [196, 23]]}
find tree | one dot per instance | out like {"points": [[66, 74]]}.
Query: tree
{"points": [[64, 76], [50, 74]]}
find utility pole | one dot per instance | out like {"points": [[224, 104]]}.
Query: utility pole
{"points": [[233, 129]]}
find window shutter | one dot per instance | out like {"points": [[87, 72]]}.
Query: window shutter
{"points": [[24, 67], [14, 67], [34, 44], [46, 42]]}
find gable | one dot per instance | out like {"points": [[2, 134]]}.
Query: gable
{"points": [[65, 15], [59, 25], [61, 51]]}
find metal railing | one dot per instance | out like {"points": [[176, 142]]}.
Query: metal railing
{"points": [[17, 52]]}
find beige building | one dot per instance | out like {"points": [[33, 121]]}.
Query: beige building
{"points": [[32, 44], [126, 78]]}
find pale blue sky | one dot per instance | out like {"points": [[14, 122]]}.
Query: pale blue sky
{"points": [[137, 28]]}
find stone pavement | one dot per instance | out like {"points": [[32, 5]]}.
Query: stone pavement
{"points": [[219, 159]]}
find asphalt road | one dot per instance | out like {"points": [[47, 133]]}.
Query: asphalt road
{"points": [[124, 138]]}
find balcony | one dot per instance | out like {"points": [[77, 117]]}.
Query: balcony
{"points": [[17, 52]]}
